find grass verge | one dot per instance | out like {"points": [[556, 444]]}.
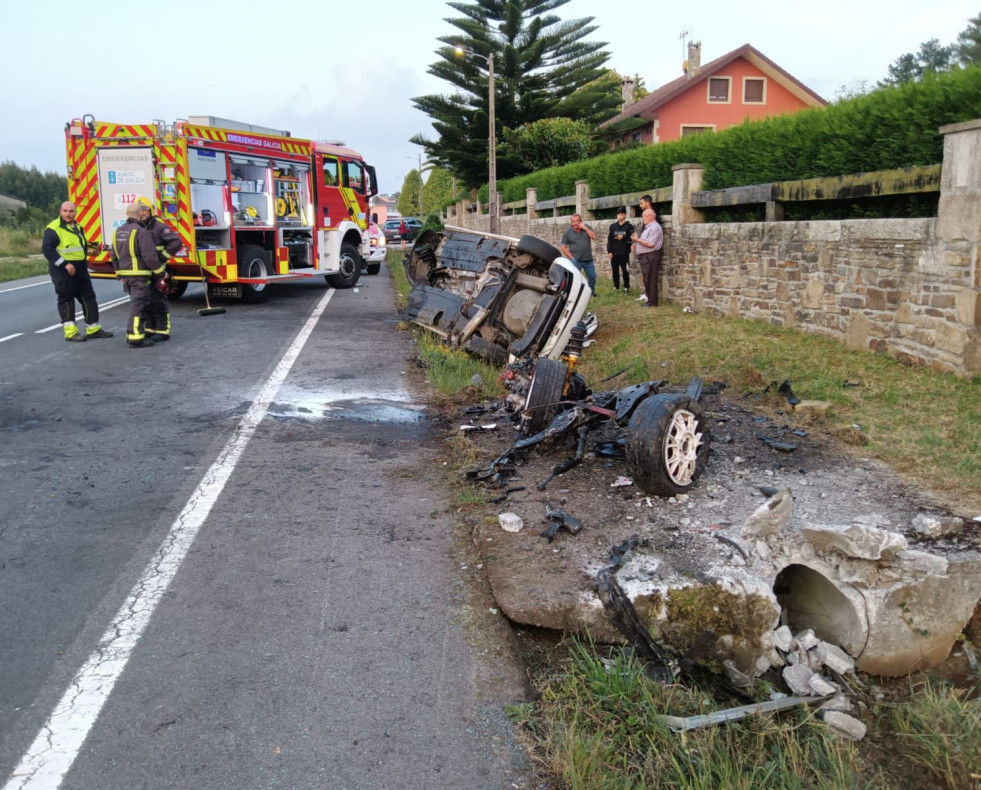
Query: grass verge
{"points": [[19, 268], [597, 725], [924, 424]]}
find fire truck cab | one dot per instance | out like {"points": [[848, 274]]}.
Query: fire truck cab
{"points": [[253, 206]]}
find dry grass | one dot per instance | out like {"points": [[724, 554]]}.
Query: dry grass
{"points": [[926, 425]]}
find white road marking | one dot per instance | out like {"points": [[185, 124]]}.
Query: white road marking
{"points": [[44, 765], [102, 309], [11, 337], [19, 287]]}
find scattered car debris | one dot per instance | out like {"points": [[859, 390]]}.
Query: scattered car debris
{"points": [[685, 723], [506, 494], [784, 389], [776, 444], [490, 427], [621, 482], [558, 519]]}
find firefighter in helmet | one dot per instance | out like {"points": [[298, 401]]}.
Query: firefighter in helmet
{"points": [[168, 244], [137, 264]]}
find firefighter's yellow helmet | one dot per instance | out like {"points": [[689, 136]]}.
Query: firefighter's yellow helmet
{"points": [[144, 203]]}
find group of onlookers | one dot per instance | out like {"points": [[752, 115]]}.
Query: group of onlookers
{"points": [[623, 238]]}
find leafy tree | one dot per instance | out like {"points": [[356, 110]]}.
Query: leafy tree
{"points": [[968, 46], [408, 202], [548, 143], [540, 61], [437, 191], [932, 57], [41, 190]]}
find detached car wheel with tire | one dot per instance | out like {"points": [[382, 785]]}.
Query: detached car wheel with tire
{"points": [[546, 389], [667, 444]]}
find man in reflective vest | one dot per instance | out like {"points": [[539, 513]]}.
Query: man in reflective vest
{"points": [[64, 245], [137, 264], [168, 244]]}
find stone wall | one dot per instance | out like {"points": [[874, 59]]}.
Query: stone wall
{"points": [[910, 288]]}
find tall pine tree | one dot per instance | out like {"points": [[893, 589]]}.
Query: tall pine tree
{"points": [[540, 60]]}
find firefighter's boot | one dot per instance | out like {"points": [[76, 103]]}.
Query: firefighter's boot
{"points": [[72, 335]]}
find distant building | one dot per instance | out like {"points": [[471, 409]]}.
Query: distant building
{"points": [[744, 84], [384, 207], [8, 205]]}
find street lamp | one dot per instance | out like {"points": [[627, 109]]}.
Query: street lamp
{"points": [[492, 137]]}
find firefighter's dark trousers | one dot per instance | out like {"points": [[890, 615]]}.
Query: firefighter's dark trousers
{"points": [[70, 287], [149, 312]]}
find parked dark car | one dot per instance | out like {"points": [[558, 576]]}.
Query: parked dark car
{"points": [[412, 224]]}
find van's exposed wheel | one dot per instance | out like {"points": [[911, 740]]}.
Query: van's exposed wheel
{"points": [[253, 262], [546, 388], [176, 289], [540, 249], [350, 262], [667, 444], [373, 268]]}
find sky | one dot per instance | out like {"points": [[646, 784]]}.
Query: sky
{"points": [[348, 71]]}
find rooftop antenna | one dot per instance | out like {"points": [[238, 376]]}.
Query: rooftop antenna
{"points": [[682, 36]]}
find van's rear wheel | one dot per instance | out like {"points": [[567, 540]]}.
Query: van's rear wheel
{"points": [[350, 262], [253, 263]]}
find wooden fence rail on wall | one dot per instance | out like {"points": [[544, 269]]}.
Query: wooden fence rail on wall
{"points": [[855, 186]]}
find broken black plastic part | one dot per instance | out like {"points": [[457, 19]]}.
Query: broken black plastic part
{"points": [[769, 490], [784, 389], [506, 494], [617, 449], [776, 444]]}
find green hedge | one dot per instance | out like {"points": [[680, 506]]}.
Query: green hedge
{"points": [[885, 129]]}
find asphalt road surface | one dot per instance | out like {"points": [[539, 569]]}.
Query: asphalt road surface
{"points": [[225, 561]]}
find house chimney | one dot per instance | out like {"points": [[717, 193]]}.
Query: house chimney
{"points": [[627, 91], [694, 62]]}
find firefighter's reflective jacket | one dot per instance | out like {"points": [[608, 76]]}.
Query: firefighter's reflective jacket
{"points": [[165, 239], [63, 243], [133, 252]]}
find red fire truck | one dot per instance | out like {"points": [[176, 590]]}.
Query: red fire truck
{"points": [[252, 205]]}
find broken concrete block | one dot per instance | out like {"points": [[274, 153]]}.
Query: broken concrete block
{"points": [[833, 657], [807, 639], [783, 638], [798, 677], [855, 540], [838, 702], [770, 517], [738, 679], [935, 526], [763, 551], [913, 561], [843, 724], [861, 573], [762, 666], [510, 522], [774, 657], [820, 686]]}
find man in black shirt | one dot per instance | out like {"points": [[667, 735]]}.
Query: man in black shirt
{"points": [[618, 248]]}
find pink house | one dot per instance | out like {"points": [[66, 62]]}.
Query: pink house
{"points": [[743, 84]]}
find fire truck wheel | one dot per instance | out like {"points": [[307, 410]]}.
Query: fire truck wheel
{"points": [[350, 271], [177, 288], [373, 268], [546, 388], [253, 261], [667, 444]]}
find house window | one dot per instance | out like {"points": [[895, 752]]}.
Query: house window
{"points": [[693, 129], [718, 89], [754, 90], [636, 137]]}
